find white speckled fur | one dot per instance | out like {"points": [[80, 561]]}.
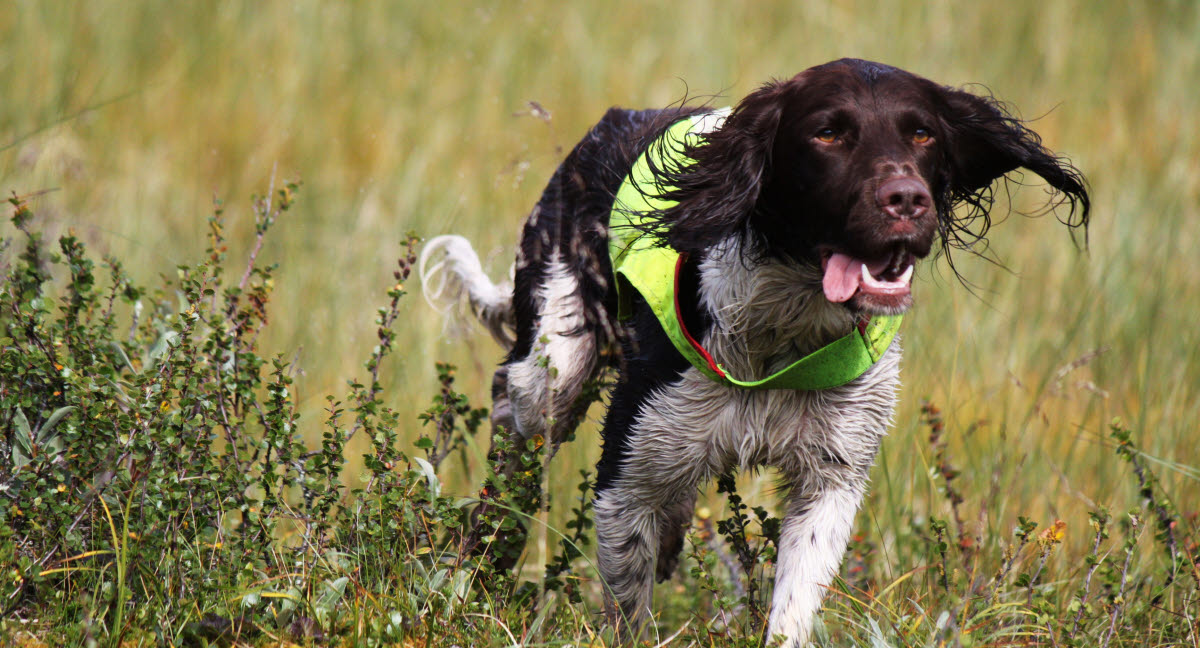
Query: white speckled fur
{"points": [[822, 442], [448, 268], [542, 392]]}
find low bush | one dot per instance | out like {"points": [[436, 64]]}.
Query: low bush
{"points": [[157, 487]]}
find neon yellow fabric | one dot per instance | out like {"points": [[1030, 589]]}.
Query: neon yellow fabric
{"points": [[639, 265]]}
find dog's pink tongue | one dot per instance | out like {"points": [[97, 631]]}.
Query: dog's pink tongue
{"points": [[842, 276]]}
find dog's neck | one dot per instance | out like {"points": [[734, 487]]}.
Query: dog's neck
{"points": [[765, 315]]}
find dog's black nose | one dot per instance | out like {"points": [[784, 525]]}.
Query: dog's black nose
{"points": [[903, 198]]}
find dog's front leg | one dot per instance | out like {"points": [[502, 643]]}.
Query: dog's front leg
{"points": [[811, 544], [627, 530]]}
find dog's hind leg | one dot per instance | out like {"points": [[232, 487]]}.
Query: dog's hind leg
{"points": [[676, 519], [538, 395], [542, 387], [502, 414]]}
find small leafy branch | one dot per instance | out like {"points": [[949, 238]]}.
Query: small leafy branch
{"points": [[559, 574], [154, 477], [1007, 598], [1166, 516], [932, 418], [449, 407], [750, 554], [731, 559]]}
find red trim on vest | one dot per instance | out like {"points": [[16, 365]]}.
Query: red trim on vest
{"points": [[712, 364], [863, 323]]}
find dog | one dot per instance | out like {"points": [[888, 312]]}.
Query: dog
{"points": [[704, 255]]}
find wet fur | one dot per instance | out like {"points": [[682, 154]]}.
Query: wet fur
{"points": [[754, 213]]}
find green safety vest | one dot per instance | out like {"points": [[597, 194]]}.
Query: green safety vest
{"points": [[653, 271]]}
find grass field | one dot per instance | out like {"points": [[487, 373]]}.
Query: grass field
{"points": [[127, 119]]}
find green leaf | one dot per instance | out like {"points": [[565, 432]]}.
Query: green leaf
{"points": [[55, 445], [124, 356], [435, 485], [288, 603], [22, 451], [332, 593], [161, 345], [46, 432], [877, 638], [22, 424]]}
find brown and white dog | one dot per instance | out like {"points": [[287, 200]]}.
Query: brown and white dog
{"points": [[803, 211]]}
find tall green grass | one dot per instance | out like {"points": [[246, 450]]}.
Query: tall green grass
{"points": [[132, 117]]}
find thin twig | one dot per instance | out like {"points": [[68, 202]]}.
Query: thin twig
{"points": [[1112, 625], [260, 230], [1087, 580]]}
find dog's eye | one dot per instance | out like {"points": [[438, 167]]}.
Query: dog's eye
{"points": [[921, 136], [827, 135]]}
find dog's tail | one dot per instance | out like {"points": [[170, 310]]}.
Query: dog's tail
{"points": [[449, 267]]}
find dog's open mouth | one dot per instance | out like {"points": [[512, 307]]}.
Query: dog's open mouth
{"points": [[884, 282]]}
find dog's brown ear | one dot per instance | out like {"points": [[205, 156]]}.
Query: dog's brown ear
{"points": [[985, 143], [718, 191]]}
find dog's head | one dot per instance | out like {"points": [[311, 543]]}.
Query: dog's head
{"points": [[857, 168]]}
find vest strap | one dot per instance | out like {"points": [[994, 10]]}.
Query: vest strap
{"points": [[641, 264]]}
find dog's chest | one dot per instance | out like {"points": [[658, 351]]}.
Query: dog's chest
{"points": [[836, 432]]}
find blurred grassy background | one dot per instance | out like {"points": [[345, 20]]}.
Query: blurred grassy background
{"points": [[409, 115]]}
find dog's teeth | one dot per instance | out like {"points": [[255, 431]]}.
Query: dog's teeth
{"points": [[908, 273], [866, 276]]}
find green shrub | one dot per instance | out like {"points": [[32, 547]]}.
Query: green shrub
{"points": [[156, 486], [155, 483], [153, 477]]}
